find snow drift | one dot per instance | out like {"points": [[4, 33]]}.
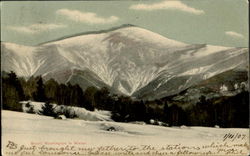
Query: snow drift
{"points": [[81, 113]]}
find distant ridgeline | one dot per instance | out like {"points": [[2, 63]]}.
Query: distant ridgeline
{"points": [[209, 108], [90, 32]]}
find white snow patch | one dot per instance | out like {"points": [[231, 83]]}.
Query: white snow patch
{"points": [[195, 71], [210, 49], [82, 113], [141, 34], [22, 50]]}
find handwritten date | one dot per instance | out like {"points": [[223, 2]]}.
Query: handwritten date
{"points": [[234, 137]]}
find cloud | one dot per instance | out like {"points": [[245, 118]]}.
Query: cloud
{"points": [[234, 34], [36, 28], [174, 5], [86, 17]]}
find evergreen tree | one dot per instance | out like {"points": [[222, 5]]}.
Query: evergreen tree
{"points": [[165, 111], [48, 109], [139, 110], [63, 95], [51, 88], [89, 99], [13, 80], [101, 98], [12, 92], [76, 95], [39, 95], [30, 88]]}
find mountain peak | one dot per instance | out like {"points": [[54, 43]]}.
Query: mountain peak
{"points": [[123, 34], [128, 59], [91, 32]]}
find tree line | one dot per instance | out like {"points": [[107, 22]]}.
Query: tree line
{"points": [[223, 111]]}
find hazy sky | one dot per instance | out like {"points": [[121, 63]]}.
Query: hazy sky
{"points": [[216, 22]]}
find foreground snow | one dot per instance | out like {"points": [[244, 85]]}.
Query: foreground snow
{"points": [[90, 137]]}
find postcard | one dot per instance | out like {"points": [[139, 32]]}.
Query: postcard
{"points": [[114, 77]]}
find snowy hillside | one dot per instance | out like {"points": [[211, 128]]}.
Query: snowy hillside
{"points": [[81, 113], [33, 130], [20, 57], [130, 60]]}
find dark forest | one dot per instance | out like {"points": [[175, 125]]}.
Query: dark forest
{"points": [[225, 111]]}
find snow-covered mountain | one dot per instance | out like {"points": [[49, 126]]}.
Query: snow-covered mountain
{"points": [[129, 60]]}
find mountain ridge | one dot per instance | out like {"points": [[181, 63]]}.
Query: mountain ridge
{"points": [[89, 32], [96, 32], [130, 59]]}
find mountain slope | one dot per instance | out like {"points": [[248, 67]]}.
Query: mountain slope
{"points": [[226, 84], [18, 58], [130, 60], [190, 71]]}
